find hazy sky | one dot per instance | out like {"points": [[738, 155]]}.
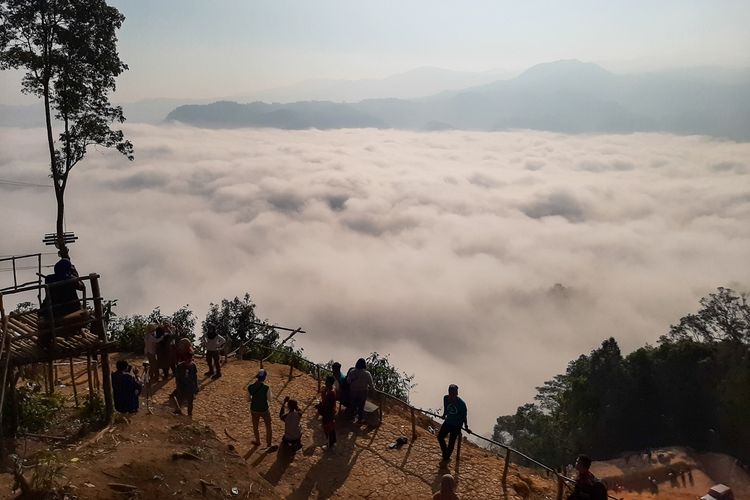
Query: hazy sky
{"points": [[193, 48], [442, 249]]}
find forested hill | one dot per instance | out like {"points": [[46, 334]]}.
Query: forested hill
{"points": [[562, 96], [691, 389]]}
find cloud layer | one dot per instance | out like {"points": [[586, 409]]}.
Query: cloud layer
{"points": [[441, 248]]}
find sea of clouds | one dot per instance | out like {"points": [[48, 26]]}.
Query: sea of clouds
{"points": [[443, 249]]}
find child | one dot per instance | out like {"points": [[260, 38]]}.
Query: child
{"points": [[328, 411], [214, 344], [292, 429], [186, 378]]}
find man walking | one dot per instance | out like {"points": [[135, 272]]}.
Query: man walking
{"points": [[454, 413], [260, 395]]}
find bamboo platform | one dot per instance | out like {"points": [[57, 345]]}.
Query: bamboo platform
{"points": [[25, 346]]}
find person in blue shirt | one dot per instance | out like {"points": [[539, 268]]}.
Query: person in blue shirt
{"points": [[454, 413], [126, 387]]}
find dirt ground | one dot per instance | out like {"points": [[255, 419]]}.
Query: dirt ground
{"points": [[629, 479], [139, 451]]}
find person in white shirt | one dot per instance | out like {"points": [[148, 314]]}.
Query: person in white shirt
{"points": [[214, 344], [292, 428], [151, 342]]}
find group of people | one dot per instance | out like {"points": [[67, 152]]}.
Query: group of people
{"points": [[165, 355], [347, 391]]}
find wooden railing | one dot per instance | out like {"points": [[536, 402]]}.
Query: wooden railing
{"points": [[96, 323], [562, 480]]}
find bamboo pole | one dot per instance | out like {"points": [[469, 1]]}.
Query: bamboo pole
{"points": [[505, 469], [73, 382], [95, 371], [45, 378], [413, 424], [458, 449], [98, 327], [51, 375], [88, 378]]}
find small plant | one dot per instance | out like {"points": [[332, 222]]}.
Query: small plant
{"points": [[46, 480], [36, 410], [93, 411]]}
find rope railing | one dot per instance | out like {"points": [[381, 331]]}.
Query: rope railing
{"points": [[562, 480]]}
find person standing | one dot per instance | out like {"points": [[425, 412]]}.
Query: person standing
{"points": [[455, 415], [328, 411], [587, 486], [259, 395], [214, 344], [340, 384], [360, 380], [126, 387], [186, 379], [150, 347]]}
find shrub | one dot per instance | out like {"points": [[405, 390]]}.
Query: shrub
{"points": [[36, 410]]}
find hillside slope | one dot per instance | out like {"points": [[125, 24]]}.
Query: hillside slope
{"points": [[362, 465]]}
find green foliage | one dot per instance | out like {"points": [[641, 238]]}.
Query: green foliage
{"points": [[36, 410], [129, 331], [724, 315], [690, 390], [235, 320], [93, 411], [23, 307], [388, 378]]}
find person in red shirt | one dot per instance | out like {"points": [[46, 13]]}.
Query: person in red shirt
{"points": [[328, 411]]}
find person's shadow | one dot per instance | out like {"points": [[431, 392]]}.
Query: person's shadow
{"points": [[331, 470], [284, 458]]}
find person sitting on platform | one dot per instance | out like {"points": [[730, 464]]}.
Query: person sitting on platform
{"points": [[126, 387], [62, 299]]}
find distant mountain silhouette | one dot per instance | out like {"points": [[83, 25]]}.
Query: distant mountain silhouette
{"points": [[564, 96], [299, 115]]}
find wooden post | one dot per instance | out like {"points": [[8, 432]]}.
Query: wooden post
{"points": [[505, 468], [57, 375], [51, 375], [413, 424], [98, 325], [73, 382], [291, 367], [560, 487], [44, 377], [95, 371], [317, 371], [458, 448], [88, 377]]}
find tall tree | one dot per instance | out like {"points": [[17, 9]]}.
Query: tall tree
{"points": [[69, 51]]}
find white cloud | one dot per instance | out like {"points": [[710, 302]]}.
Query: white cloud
{"points": [[440, 248]]}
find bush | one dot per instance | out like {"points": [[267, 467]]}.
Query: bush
{"points": [[93, 411], [36, 410], [129, 331]]}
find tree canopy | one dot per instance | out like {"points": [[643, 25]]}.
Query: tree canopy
{"points": [[69, 51], [691, 389]]}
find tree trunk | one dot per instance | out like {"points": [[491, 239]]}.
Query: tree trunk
{"points": [[59, 186]]}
